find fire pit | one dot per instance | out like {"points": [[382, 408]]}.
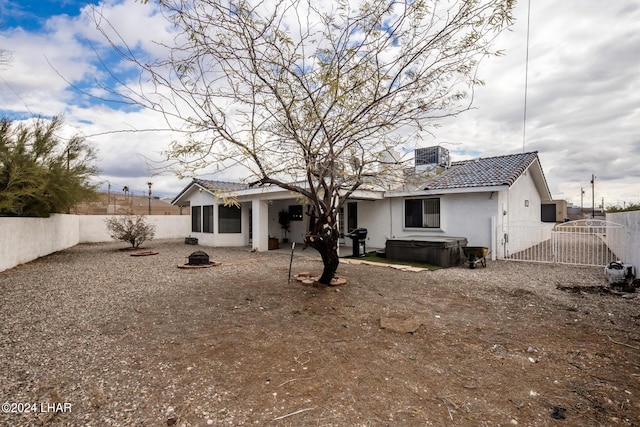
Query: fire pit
{"points": [[199, 259]]}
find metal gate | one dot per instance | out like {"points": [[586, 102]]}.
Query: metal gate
{"points": [[581, 242]]}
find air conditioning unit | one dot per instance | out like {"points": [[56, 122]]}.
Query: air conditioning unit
{"points": [[432, 156]]}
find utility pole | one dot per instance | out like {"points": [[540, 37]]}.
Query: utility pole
{"points": [[125, 190], [593, 196], [581, 199], [149, 184]]}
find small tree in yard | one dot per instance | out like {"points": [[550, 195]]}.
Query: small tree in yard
{"points": [[312, 96], [130, 228]]}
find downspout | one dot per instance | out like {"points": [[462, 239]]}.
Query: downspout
{"points": [[390, 220]]}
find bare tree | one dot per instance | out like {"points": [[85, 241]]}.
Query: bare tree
{"points": [[313, 96]]}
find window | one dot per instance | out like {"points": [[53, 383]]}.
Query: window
{"points": [[196, 219], [229, 219], [207, 216], [422, 213], [295, 212]]}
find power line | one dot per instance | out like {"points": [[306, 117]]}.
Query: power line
{"points": [[526, 79]]}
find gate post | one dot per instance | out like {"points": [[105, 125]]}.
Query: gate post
{"points": [[493, 234], [554, 245]]}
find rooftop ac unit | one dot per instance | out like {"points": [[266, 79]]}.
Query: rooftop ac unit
{"points": [[432, 156]]}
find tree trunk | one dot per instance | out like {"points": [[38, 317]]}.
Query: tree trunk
{"points": [[323, 237], [330, 261]]}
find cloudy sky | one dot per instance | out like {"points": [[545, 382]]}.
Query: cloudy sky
{"points": [[583, 92]]}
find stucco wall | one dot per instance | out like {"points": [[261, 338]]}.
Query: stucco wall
{"points": [[524, 203], [25, 239], [297, 229], [461, 215], [204, 198], [469, 215], [519, 219], [480, 217], [627, 245], [374, 216], [93, 228]]}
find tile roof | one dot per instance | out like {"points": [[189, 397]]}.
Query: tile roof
{"points": [[482, 172], [220, 185], [212, 186]]}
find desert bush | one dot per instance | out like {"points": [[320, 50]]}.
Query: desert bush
{"points": [[40, 172], [627, 207], [130, 228]]}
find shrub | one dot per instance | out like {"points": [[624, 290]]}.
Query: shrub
{"points": [[130, 228], [40, 172], [625, 208]]}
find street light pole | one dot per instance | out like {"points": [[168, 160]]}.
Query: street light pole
{"points": [[593, 196], [149, 184]]}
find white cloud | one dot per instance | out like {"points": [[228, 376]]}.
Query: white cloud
{"points": [[582, 110], [583, 99]]}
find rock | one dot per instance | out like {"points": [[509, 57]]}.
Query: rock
{"points": [[558, 413], [404, 324]]}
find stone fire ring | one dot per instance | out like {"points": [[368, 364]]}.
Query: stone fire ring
{"points": [[145, 253], [307, 278], [211, 264]]}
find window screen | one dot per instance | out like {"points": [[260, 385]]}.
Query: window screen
{"points": [[207, 217], [229, 219], [196, 219], [422, 213]]}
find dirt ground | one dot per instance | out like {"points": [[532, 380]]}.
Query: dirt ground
{"points": [[103, 338]]}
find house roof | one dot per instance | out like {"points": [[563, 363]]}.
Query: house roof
{"points": [[478, 174], [487, 172], [220, 185], [210, 185]]}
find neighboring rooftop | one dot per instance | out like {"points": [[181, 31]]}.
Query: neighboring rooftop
{"points": [[117, 203]]}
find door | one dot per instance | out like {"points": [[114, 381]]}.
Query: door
{"points": [[352, 216], [548, 212]]}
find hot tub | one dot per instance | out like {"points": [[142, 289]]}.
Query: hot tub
{"points": [[441, 251]]}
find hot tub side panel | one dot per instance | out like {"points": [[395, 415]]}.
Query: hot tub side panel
{"points": [[442, 253]]}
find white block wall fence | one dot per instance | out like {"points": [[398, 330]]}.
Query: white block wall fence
{"points": [[627, 247], [25, 239]]}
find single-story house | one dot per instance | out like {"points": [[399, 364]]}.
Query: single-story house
{"points": [[474, 199]]}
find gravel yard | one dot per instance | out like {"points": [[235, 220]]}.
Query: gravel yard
{"points": [[93, 336]]}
